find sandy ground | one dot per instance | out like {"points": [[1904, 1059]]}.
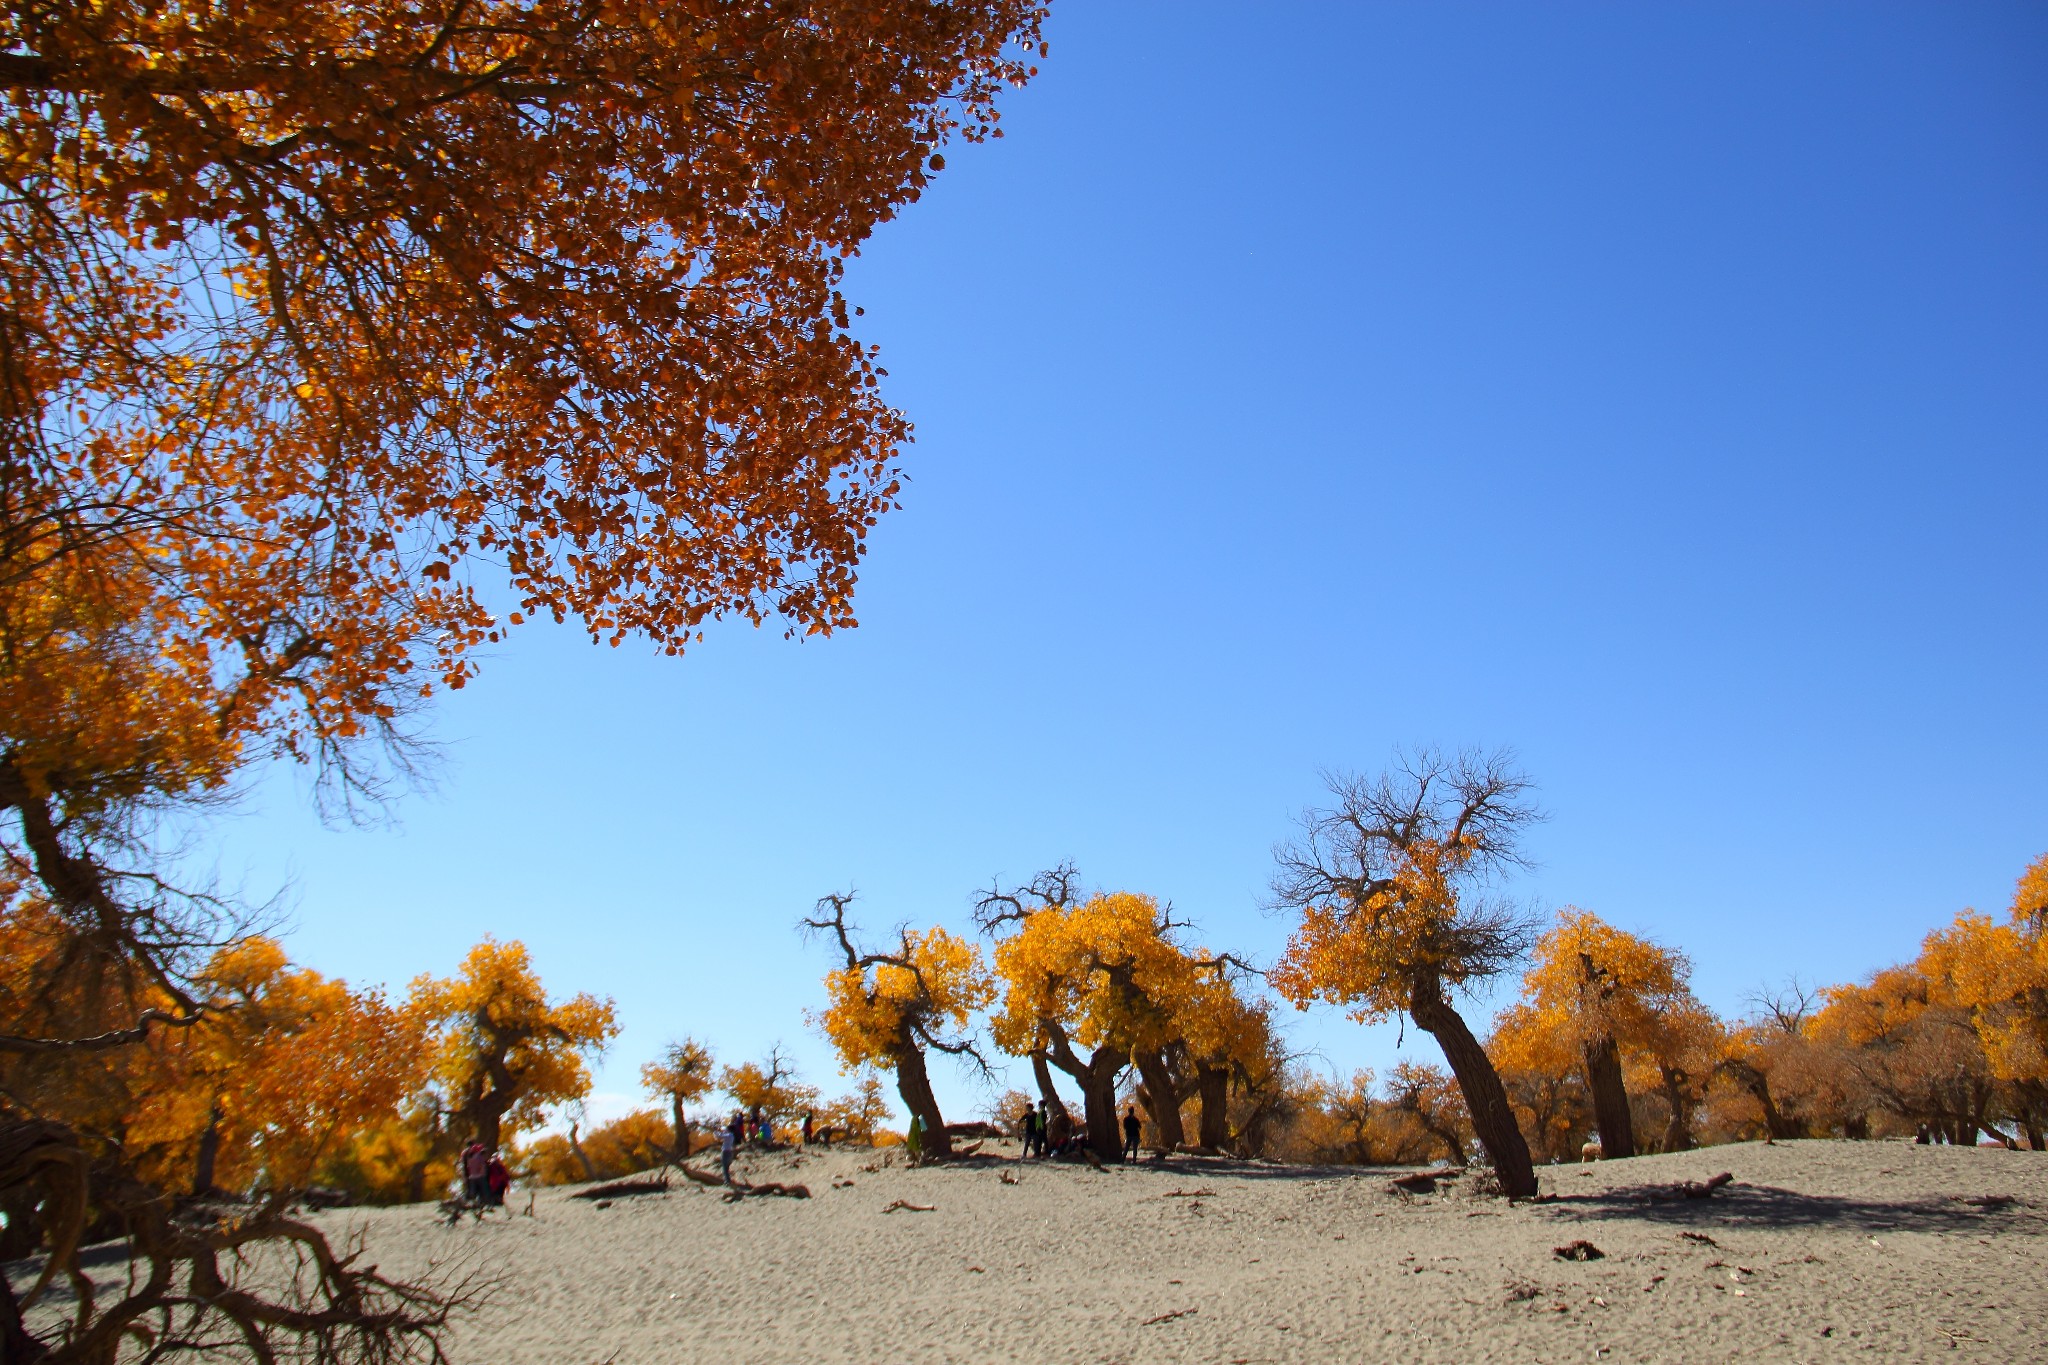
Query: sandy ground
{"points": [[1819, 1251]]}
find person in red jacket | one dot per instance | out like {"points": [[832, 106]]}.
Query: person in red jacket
{"points": [[498, 1178]]}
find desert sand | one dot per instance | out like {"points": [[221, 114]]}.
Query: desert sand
{"points": [[1818, 1251]]}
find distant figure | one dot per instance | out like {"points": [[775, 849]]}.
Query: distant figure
{"points": [[728, 1143], [808, 1116], [476, 1173], [1030, 1133], [754, 1122], [1059, 1132], [1590, 1152], [1920, 1137], [1132, 1130], [1043, 1120], [914, 1140], [498, 1179], [765, 1131]]}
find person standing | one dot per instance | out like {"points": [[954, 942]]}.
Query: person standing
{"points": [[728, 1143], [1044, 1127], [498, 1179], [1132, 1130], [808, 1117], [1030, 1130], [476, 1173]]}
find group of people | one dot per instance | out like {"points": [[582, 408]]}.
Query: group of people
{"points": [[1053, 1132], [485, 1177], [750, 1126]]}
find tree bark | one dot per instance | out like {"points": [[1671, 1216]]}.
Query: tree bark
{"points": [[589, 1171], [914, 1084], [1493, 1119], [1097, 1079], [1678, 1131], [1610, 1099], [1213, 1083], [209, 1155], [679, 1128], [1161, 1098], [1042, 1073]]}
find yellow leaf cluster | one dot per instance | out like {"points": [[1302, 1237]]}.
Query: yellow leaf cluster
{"points": [[1104, 971], [1365, 953], [877, 1011]]}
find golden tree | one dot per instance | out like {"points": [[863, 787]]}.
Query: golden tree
{"points": [[1391, 888], [769, 1087], [320, 323], [503, 1051], [1909, 1046], [2000, 973], [682, 1075], [1101, 975], [1545, 1079], [887, 1009], [859, 1116], [1603, 989]]}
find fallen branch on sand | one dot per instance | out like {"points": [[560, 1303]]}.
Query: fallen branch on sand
{"points": [[1688, 1189], [969, 1150], [1423, 1182], [1189, 1194], [1169, 1317], [909, 1207], [739, 1189], [620, 1188]]}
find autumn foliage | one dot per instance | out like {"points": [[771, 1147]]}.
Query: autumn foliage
{"points": [[336, 341]]}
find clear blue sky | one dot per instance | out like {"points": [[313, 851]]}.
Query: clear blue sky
{"points": [[1659, 390]]}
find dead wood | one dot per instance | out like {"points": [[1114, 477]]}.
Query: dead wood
{"points": [[1189, 1194], [740, 1189], [621, 1188], [1688, 1189], [1169, 1317], [1423, 1182], [909, 1207], [1580, 1250]]}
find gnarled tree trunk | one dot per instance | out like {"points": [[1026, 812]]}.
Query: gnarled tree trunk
{"points": [[209, 1155], [1161, 1098], [1610, 1098], [1212, 1083], [1678, 1131], [914, 1084], [1042, 1073], [1493, 1119]]}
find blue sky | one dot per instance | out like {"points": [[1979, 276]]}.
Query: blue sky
{"points": [[1659, 390]]}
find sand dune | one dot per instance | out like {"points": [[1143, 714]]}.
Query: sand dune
{"points": [[1819, 1251]]}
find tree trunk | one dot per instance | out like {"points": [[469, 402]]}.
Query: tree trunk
{"points": [[1214, 1086], [679, 1128], [1097, 1079], [1610, 1099], [589, 1171], [209, 1154], [15, 1342], [1161, 1098], [1042, 1073], [1493, 1118], [1678, 1131], [914, 1084], [1099, 1100]]}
